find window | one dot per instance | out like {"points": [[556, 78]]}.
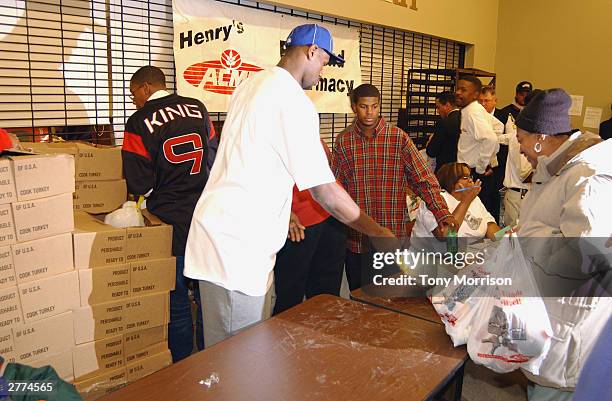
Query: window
{"points": [[66, 64]]}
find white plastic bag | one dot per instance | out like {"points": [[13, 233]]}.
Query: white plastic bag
{"points": [[510, 332], [457, 305], [128, 216]]}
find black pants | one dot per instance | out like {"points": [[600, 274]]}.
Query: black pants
{"points": [[489, 194], [499, 173], [310, 267], [358, 269]]}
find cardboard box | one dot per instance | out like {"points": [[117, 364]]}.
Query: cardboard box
{"points": [[7, 225], [43, 217], [41, 176], [153, 242], [109, 283], [147, 311], [146, 352], [99, 162], [98, 321], [10, 308], [145, 367], [53, 148], [118, 317], [93, 162], [42, 258], [138, 340], [61, 362], [7, 183], [50, 296], [98, 244], [44, 338], [95, 387], [94, 358], [7, 345], [107, 354], [7, 268], [104, 284], [149, 276], [99, 196]]}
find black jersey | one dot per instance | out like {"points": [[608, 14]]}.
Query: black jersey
{"points": [[168, 148]]}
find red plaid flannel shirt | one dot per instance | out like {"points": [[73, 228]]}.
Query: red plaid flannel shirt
{"points": [[377, 172]]}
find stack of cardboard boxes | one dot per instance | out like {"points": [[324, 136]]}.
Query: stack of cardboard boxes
{"points": [[39, 287], [99, 186], [125, 276], [88, 299]]}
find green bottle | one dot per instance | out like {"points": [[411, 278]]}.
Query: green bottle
{"points": [[452, 242]]}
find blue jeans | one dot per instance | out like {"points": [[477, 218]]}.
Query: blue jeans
{"points": [[180, 328]]}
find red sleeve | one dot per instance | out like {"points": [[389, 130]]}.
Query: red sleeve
{"points": [[340, 166], [133, 143], [137, 161], [212, 132]]}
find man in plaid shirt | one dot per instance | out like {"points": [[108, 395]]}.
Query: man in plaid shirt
{"points": [[377, 163]]}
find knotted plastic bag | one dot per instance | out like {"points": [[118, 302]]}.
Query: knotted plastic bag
{"points": [[128, 216], [457, 305]]}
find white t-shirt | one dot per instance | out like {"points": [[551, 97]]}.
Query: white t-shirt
{"points": [[474, 224], [477, 142], [270, 141]]}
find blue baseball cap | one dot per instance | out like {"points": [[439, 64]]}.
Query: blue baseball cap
{"points": [[313, 34]]}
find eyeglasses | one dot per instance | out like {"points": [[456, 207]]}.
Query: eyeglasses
{"points": [[133, 92]]}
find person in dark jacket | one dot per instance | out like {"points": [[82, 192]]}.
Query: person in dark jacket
{"points": [[523, 89], [443, 143], [168, 148]]}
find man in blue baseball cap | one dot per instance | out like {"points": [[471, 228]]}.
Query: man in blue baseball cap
{"points": [[308, 49], [313, 34], [269, 143]]}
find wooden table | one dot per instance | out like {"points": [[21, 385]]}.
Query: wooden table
{"points": [[327, 348], [416, 307]]}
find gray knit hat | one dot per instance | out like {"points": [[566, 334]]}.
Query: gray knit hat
{"points": [[546, 113]]}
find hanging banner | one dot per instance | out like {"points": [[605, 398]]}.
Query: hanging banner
{"points": [[218, 46]]}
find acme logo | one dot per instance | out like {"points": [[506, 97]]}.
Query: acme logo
{"points": [[220, 76]]}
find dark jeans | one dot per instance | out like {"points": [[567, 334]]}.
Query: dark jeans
{"points": [[310, 267], [489, 194], [499, 173], [180, 329], [358, 268]]}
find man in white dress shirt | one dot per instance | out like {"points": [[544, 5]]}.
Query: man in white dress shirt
{"points": [[488, 99], [518, 170], [478, 143]]}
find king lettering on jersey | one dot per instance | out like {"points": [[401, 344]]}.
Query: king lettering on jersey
{"points": [[167, 114]]}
